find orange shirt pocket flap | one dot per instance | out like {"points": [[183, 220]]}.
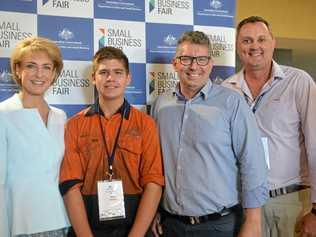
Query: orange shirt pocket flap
{"points": [[88, 145], [131, 144]]}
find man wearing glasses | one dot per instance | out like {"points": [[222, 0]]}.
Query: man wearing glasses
{"points": [[213, 156]]}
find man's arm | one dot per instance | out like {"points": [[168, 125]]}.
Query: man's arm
{"points": [[146, 210], [306, 101], [248, 148], [252, 224], [77, 213]]}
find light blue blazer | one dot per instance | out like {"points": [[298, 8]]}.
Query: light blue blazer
{"points": [[30, 157]]}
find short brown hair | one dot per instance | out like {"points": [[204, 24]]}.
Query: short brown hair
{"points": [[194, 37], [32, 45], [109, 52], [253, 19]]}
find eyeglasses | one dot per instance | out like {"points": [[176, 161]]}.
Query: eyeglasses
{"points": [[188, 60]]}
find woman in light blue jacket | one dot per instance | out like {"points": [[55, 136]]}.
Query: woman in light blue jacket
{"points": [[32, 145]]}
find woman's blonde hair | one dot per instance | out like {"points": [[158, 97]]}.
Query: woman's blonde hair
{"points": [[33, 45]]}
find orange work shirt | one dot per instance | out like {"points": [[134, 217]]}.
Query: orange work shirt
{"points": [[137, 159]]}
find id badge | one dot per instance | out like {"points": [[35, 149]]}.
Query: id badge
{"points": [[111, 200]]}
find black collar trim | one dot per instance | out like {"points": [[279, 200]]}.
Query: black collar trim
{"points": [[125, 109]]}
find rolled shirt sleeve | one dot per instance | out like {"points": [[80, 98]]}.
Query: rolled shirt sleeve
{"points": [[151, 165]]}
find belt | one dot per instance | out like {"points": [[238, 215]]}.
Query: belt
{"points": [[288, 189], [193, 220]]}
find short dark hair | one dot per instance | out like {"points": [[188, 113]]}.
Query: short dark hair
{"points": [[253, 19], [109, 52], [194, 37]]}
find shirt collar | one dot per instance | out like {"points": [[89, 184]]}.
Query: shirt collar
{"points": [[95, 109], [16, 102], [277, 72], [204, 92], [239, 79]]}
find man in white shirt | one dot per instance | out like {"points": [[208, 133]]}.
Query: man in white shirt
{"points": [[283, 100]]}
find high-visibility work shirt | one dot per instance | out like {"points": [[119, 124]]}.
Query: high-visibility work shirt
{"points": [[137, 157]]}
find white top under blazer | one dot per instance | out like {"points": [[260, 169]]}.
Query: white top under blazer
{"points": [[30, 157]]}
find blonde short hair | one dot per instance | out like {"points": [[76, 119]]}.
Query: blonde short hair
{"points": [[32, 45]]}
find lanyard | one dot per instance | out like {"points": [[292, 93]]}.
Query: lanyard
{"points": [[110, 157], [257, 102], [255, 107]]}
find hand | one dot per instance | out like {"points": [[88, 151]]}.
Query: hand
{"points": [[156, 226], [249, 229], [307, 227], [252, 224]]}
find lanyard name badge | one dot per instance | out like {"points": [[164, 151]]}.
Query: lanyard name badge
{"points": [[110, 191]]}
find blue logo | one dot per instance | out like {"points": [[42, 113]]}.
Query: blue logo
{"points": [[152, 78], [102, 40], [151, 5], [170, 40], [163, 39], [7, 85], [5, 77], [44, 2], [66, 34], [218, 12], [216, 4], [75, 43]]}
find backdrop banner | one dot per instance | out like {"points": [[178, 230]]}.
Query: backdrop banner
{"points": [[147, 31]]}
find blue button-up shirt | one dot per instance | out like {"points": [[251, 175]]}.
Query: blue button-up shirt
{"points": [[212, 150]]}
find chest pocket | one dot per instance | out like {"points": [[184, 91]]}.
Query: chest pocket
{"points": [[282, 113], [89, 146], [130, 145], [130, 153]]}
